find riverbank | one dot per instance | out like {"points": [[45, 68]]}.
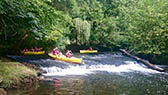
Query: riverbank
{"points": [[15, 74]]}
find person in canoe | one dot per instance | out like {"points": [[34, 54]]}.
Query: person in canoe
{"points": [[31, 49], [25, 50], [69, 54], [55, 51], [90, 48], [37, 49]]}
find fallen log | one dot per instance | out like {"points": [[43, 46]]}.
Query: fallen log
{"points": [[0, 79], [147, 63]]}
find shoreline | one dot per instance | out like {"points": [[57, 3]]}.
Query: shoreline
{"points": [[15, 75]]}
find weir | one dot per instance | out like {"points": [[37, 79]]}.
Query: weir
{"points": [[93, 63], [103, 73]]}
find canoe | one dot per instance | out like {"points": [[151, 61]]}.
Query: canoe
{"points": [[88, 51], [64, 58], [34, 53]]}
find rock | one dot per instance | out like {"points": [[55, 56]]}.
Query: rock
{"points": [[39, 74], [2, 92]]}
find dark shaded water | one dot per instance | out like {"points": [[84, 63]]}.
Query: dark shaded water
{"points": [[100, 74]]}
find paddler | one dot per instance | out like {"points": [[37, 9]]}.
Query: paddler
{"points": [[31, 49], [37, 49], [69, 54], [55, 51], [90, 48], [25, 50]]}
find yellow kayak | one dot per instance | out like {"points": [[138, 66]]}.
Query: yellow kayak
{"points": [[64, 58], [34, 53], [88, 51]]}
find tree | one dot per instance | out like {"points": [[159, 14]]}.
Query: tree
{"points": [[35, 17], [82, 30]]}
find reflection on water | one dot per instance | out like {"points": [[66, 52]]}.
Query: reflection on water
{"points": [[102, 74]]}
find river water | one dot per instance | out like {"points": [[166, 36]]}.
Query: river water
{"points": [[99, 74]]}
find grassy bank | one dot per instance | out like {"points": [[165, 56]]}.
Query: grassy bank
{"points": [[15, 74]]}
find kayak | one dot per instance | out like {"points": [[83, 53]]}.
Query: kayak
{"points": [[64, 58], [88, 51], [34, 53]]}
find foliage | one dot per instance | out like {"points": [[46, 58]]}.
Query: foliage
{"points": [[70, 7], [34, 16], [147, 28], [82, 31]]}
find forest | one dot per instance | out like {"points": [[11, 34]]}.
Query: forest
{"points": [[139, 26]]}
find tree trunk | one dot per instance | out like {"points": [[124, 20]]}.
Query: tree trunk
{"points": [[143, 61], [20, 41]]}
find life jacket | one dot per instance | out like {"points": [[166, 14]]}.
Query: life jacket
{"points": [[36, 49], [31, 49], [55, 51], [25, 50], [68, 54], [90, 48]]}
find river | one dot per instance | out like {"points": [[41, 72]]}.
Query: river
{"points": [[100, 74]]}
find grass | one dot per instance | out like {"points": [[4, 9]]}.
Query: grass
{"points": [[14, 72]]}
